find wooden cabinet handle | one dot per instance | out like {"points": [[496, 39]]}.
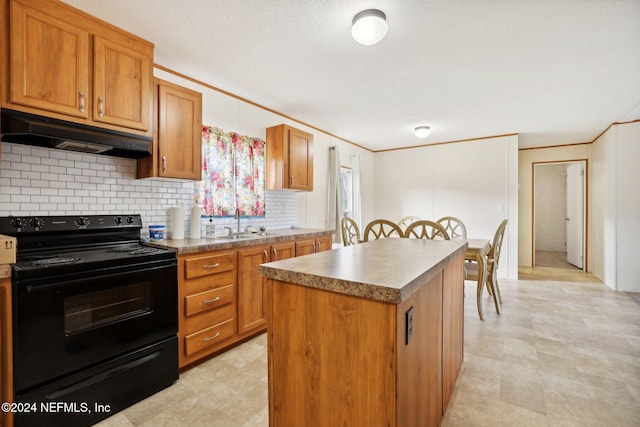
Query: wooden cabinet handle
{"points": [[216, 265], [81, 96], [100, 106], [211, 301], [207, 339]]}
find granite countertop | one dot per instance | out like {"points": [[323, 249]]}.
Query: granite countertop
{"points": [[388, 270], [5, 271], [192, 246]]}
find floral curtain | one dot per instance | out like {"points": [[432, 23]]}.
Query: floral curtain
{"points": [[232, 174]]}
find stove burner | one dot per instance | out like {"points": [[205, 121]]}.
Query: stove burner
{"points": [[55, 260], [136, 250]]}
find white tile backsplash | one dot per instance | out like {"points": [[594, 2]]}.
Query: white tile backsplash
{"points": [[42, 181]]}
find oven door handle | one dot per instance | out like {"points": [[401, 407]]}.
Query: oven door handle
{"points": [[32, 289]]}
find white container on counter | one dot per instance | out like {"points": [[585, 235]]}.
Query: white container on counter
{"points": [[196, 214], [176, 223]]}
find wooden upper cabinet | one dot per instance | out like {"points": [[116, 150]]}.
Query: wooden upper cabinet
{"points": [[49, 62], [69, 65], [177, 148], [121, 85], [289, 158]]}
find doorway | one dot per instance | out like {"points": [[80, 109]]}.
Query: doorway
{"points": [[559, 214]]}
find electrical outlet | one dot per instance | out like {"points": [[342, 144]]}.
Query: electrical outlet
{"points": [[409, 322]]}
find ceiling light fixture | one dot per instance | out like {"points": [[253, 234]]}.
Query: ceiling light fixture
{"points": [[369, 27], [422, 131]]}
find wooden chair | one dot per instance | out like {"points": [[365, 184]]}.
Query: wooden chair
{"points": [[406, 221], [493, 259], [424, 229], [350, 232], [454, 227], [381, 228]]}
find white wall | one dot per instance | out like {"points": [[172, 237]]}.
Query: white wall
{"points": [[615, 216], [475, 181]]}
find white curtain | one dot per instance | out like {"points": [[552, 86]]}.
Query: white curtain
{"points": [[357, 197], [333, 194]]}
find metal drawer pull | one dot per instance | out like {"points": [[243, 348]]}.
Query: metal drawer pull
{"points": [[100, 106], [164, 164], [207, 339], [211, 301], [216, 265], [81, 102]]}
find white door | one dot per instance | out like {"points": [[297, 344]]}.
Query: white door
{"points": [[575, 213]]}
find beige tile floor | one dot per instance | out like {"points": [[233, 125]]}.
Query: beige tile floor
{"points": [[560, 354]]}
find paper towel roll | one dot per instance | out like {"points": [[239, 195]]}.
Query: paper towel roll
{"points": [[176, 223], [196, 213]]}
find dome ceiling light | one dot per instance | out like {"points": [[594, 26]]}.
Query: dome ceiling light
{"points": [[422, 131], [369, 27]]}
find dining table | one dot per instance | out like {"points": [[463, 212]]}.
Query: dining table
{"points": [[477, 251]]}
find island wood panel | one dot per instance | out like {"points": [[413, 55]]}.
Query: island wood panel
{"points": [[452, 327], [332, 358], [420, 360]]}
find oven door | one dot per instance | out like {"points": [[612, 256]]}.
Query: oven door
{"points": [[64, 325]]}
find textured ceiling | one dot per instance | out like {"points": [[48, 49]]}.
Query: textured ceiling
{"points": [[554, 71]]}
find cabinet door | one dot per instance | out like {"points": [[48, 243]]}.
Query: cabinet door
{"points": [[252, 296], [179, 132], [324, 243], [305, 247], [300, 160], [49, 62], [282, 251], [121, 85]]}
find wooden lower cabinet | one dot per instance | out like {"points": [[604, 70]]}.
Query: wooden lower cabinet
{"points": [[222, 296], [313, 245], [252, 287], [206, 303]]}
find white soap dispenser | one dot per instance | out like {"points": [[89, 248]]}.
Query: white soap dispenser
{"points": [[210, 229]]}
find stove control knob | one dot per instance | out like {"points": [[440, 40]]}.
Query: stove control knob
{"points": [[118, 220], [17, 224], [36, 223], [129, 220], [82, 222]]}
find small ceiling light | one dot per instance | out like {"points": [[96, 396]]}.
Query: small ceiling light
{"points": [[422, 131], [369, 27]]}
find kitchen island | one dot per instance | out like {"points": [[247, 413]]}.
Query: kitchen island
{"points": [[370, 334]]}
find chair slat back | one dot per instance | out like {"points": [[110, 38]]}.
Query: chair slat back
{"points": [[454, 227], [406, 221], [350, 232], [496, 246], [380, 229], [424, 229]]}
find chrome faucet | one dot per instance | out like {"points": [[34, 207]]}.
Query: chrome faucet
{"points": [[237, 216]]}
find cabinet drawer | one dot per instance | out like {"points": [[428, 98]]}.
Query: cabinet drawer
{"points": [[208, 337], [205, 319], [210, 264], [210, 282], [208, 300]]}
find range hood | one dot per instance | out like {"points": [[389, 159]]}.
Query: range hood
{"points": [[30, 129]]}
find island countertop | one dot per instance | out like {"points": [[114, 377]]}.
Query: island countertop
{"points": [[387, 270]]}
